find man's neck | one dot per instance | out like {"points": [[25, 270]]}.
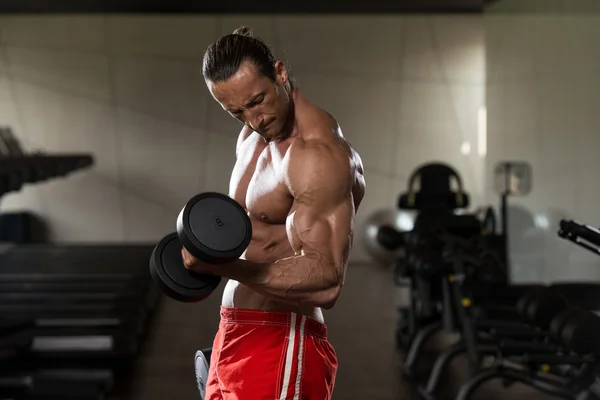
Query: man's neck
{"points": [[290, 127]]}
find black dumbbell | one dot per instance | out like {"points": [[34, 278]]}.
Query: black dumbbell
{"points": [[580, 332], [530, 300], [202, 366], [543, 308], [523, 302], [212, 227], [560, 320]]}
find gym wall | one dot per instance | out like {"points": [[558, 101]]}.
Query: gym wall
{"points": [[129, 89], [542, 96]]}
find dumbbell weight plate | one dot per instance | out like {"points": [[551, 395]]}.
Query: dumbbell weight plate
{"points": [[560, 320], [542, 309], [214, 228], [202, 366], [168, 271], [527, 298], [580, 332], [522, 305]]}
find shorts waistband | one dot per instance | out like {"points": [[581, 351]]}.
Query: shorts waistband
{"points": [[268, 317]]}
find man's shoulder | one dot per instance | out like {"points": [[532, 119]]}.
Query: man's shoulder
{"points": [[318, 154], [318, 165], [322, 136], [327, 127], [322, 145], [245, 134]]}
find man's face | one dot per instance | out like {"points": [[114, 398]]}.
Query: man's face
{"points": [[254, 99]]}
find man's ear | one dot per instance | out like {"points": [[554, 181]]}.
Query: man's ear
{"points": [[281, 72]]}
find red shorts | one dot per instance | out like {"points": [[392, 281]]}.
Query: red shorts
{"points": [[270, 355]]}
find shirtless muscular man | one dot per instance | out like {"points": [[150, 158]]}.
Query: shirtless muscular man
{"points": [[301, 183]]}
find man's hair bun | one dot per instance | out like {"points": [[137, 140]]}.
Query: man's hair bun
{"points": [[243, 31]]}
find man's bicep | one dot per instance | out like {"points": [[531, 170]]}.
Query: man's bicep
{"points": [[324, 227], [320, 180], [309, 230]]}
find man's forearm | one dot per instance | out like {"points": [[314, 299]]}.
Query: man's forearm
{"points": [[300, 280]]}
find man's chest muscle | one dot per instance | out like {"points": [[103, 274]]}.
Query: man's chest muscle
{"points": [[257, 183]]}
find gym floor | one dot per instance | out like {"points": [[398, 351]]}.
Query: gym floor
{"points": [[361, 328]]}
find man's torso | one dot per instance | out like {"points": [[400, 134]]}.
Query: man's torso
{"points": [[258, 183]]}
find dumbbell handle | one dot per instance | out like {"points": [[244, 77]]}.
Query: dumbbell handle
{"points": [[207, 353]]}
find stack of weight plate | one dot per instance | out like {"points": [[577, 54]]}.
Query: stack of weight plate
{"points": [[72, 318], [18, 168]]}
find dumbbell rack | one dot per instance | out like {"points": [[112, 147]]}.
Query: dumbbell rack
{"points": [[72, 318], [18, 168]]}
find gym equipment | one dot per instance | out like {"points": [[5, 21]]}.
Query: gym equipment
{"points": [[123, 304], [17, 227], [441, 266], [68, 340], [460, 260], [570, 365], [532, 346], [72, 319], [44, 263], [580, 332], [564, 343], [389, 238], [541, 306], [580, 234], [431, 194], [213, 228], [492, 334], [435, 192], [13, 340], [40, 166], [452, 263], [384, 234], [18, 167], [57, 344], [487, 216], [62, 269], [169, 273], [11, 176], [545, 384], [201, 367], [422, 264], [512, 178], [545, 337], [58, 384]]}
